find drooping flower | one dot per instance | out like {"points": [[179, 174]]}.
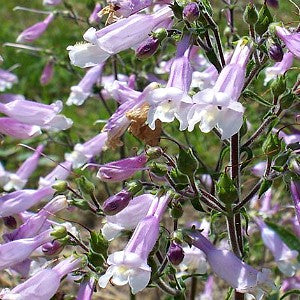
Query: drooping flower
{"points": [[279, 68], [82, 153], [129, 217], [35, 223], [130, 265], [291, 40], [114, 38], [39, 114], [86, 289], [18, 180], [7, 79], [34, 32], [44, 284], [60, 172], [283, 255], [47, 73], [19, 201], [122, 169], [80, 92], [17, 251], [219, 106], [19, 130], [242, 277]]}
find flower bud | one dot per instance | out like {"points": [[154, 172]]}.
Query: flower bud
{"points": [[272, 145], [59, 232], [276, 52], [278, 86], [272, 3], [175, 254], [250, 14], [154, 153], [47, 73], [60, 186], [86, 186], [158, 169], [80, 203], [134, 187], [116, 203], [10, 222], [191, 12], [147, 48], [226, 189], [52, 248], [264, 20], [187, 162], [176, 211]]}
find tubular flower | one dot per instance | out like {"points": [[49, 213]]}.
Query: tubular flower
{"points": [[84, 152], [19, 201], [122, 169], [86, 289], [218, 106], [19, 179], [7, 79], [94, 18], [44, 284], [130, 265], [80, 92], [282, 253], [39, 114], [291, 40], [129, 217], [17, 251], [242, 277], [47, 73], [34, 32], [115, 38]]}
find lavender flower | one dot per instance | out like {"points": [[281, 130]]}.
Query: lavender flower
{"points": [[60, 172], [191, 12], [47, 73], [86, 289], [114, 38], [218, 106], [5, 98], [44, 284], [34, 113], [16, 251], [208, 289], [7, 79], [129, 217], [295, 192], [19, 201], [80, 92], [16, 129], [130, 265], [94, 19], [282, 253], [291, 40], [279, 68], [242, 277], [34, 32], [292, 283], [18, 180], [122, 169], [82, 153]]}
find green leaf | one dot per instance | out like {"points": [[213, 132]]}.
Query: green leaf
{"points": [[98, 243], [287, 237], [252, 95], [291, 292]]}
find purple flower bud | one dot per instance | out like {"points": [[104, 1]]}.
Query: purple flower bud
{"points": [[34, 32], [122, 169], [94, 18], [17, 129], [7, 79], [295, 191], [10, 222], [175, 254], [276, 52], [52, 248], [86, 289], [191, 12], [272, 3], [116, 203], [147, 48], [47, 73], [5, 98]]}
